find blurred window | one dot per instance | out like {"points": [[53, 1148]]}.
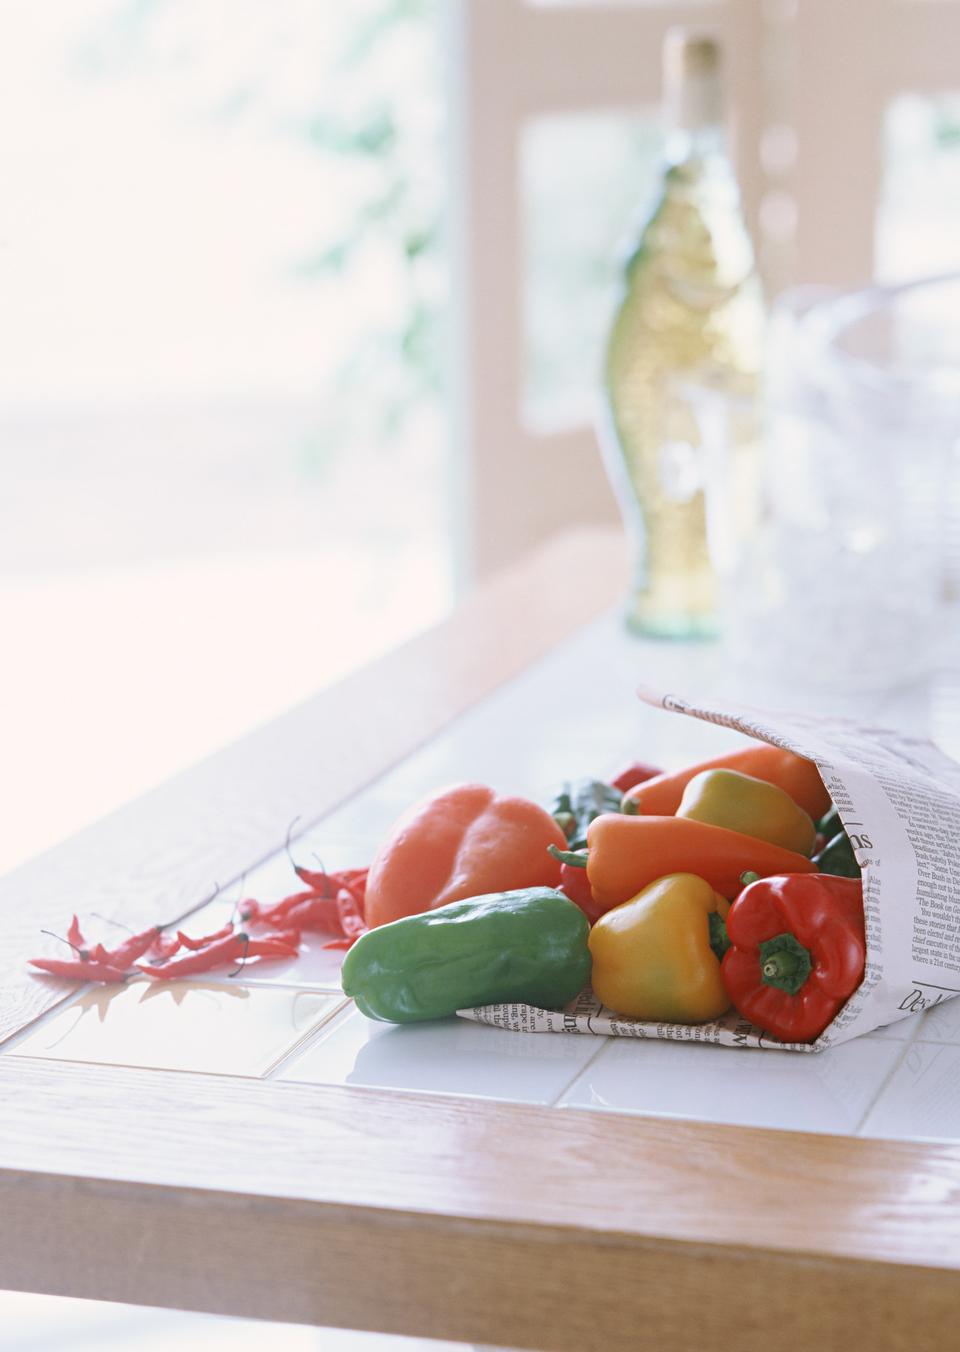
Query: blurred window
{"points": [[920, 201], [587, 181], [223, 434]]}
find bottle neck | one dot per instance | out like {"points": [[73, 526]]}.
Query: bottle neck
{"points": [[693, 145]]}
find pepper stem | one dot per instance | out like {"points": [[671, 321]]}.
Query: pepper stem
{"points": [[577, 858], [719, 939], [784, 963]]}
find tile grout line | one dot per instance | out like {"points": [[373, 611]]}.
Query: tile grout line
{"points": [[604, 1044], [885, 1081], [311, 1037], [47, 1016]]}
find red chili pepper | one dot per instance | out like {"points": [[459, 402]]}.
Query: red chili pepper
{"points": [[351, 914], [78, 943], [127, 953], [317, 913], [270, 915], [316, 879], [271, 947], [575, 884], [287, 934], [350, 920], [164, 946], [185, 940], [79, 969], [233, 947], [328, 884], [227, 949], [797, 952], [637, 772]]}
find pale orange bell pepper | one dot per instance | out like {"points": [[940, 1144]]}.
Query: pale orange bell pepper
{"points": [[465, 841]]}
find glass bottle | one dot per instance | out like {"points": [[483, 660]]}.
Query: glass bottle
{"points": [[690, 319]]}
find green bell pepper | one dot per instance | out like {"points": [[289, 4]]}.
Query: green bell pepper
{"points": [[837, 857], [575, 808], [528, 945]]}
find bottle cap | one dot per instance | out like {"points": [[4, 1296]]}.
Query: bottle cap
{"points": [[693, 93]]}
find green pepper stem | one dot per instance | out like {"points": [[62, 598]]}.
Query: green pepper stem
{"points": [[784, 963], [719, 940], [577, 858]]}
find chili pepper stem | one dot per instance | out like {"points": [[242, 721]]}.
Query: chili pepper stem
{"points": [[60, 939], [108, 921], [243, 956]]}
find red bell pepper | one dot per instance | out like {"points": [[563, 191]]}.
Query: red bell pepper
{"points": [[637, 772], [797, 952], [575, 884]]}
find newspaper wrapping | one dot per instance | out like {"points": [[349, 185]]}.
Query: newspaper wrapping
{"points": [[899, 800]]}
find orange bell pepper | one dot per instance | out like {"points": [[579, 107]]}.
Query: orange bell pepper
{"points": [[660, 797], [625, 854], [464, 841]]}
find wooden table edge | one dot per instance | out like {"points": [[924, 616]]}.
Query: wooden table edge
{"points": [[477, 1221]]}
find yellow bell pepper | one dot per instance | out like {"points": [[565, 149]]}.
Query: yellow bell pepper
{"points": [[652, 955], [751, 806]]}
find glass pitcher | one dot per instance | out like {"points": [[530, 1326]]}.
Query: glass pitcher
{"points": [[844, 579]]}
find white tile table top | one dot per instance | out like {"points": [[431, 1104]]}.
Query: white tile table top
{"points": [[921, 1102], [451, 1057], [828, 1092]]}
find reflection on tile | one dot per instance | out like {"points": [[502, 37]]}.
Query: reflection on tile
{"points": [[315, 968], [922, 1100], [828, 1091], [447, 1057], [179, 1025], [902, 1030], [941, 1022]]}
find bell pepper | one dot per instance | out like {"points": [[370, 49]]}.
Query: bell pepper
{"points": [[835, 854], [637, 772], [575, 884], [799, 778], [653, 956], [797, 952], [528, 945], [464, 841], [575, 808], [829, 824], [752, 806], [837, 857], [625, 854]]}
